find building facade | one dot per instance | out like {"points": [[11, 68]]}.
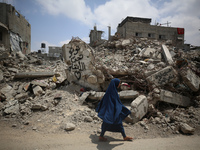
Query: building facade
{"points": [[15, 30], [141, 27], [95, 37], [55, 52]]}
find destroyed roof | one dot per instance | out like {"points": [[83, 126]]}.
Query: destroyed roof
{"points": [[134, 19]]}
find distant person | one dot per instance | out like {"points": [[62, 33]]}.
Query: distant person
{"points": [[111, 110]]}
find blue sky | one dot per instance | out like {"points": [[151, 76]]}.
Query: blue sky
{"points": [[55, 22]]}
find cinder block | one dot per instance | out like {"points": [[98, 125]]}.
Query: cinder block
{"points": [[174, 98], [162, 77], [139, 108], [190, 79], [167, 55]]}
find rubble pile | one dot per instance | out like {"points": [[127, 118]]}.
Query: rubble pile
{"points": [[161, 85], [161, 73]]}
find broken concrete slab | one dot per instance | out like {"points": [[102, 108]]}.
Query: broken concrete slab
{"points": [[148, 52], [8, 91], [190, 79], [81, 69], [162, 77], [139, 108], [41, 83], [186, 129], [167, 55], [128, 94], [12, 107], [174, 98], [34, 74], [13, 70], [96, 96]]}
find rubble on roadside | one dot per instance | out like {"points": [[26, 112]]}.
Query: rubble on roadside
{"points": [[153, 74]]}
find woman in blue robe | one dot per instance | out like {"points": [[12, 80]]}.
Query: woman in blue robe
{"points": [[111, 110]]}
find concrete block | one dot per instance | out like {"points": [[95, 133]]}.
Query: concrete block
{"points": [[162, 77], [128, 94], [41, 83], [186, 129], [167, 55], [148, 52], [190, 79], [174, 98], [96, 96], [139, 108], [37, 90]]}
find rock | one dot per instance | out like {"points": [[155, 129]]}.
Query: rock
{"points": [[8, 91], [37, 90], [186, 129], [139, 108], [126, 42], [69, 127], [36, 106], [21, 55], [88, 119], [12, 107], [92, 79]]}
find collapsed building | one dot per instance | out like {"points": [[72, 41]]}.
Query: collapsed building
{"points": [[15, 30], [154, 73]]}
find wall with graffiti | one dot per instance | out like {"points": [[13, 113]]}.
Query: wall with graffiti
{"points": [[81, 64]]}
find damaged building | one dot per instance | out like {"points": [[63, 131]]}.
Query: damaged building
{"points": [[15, 30], [141, 27]]}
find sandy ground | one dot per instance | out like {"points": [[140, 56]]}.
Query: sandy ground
{"points": [[17, 139]]}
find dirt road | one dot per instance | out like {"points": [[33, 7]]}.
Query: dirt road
{"points": [[16, 139]]}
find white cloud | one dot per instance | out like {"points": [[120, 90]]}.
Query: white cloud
{"points": [[181, 13], [75, 9], [114, 11], [186, 14]]}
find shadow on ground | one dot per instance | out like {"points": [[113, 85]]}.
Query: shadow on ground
{"points": [[108, 145]]}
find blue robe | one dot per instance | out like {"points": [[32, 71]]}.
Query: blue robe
{"points": [[110, 109]]}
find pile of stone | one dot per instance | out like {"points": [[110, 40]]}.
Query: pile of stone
{"points": [[154, 74], [155, 69]]}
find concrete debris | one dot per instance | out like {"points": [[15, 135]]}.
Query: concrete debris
{"points": [[139, 108], [81, 69], [174, 98], [162, 77], [186, 129], [167, 55], [190, 79], [37, 90], [34, 74], [160, 84]]}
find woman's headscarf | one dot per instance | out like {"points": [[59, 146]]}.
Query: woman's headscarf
{"points": [[110, 109]]}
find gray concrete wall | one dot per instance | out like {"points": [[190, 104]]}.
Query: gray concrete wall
{"points": [[138, 29], [17, 24]]}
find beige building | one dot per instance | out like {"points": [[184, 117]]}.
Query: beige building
{"points": [[140, 27], [15, 30]]}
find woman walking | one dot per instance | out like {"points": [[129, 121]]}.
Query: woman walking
{"points": [[112, 111]]}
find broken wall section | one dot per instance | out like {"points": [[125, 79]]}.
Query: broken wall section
{"points": [[81, 65]]}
